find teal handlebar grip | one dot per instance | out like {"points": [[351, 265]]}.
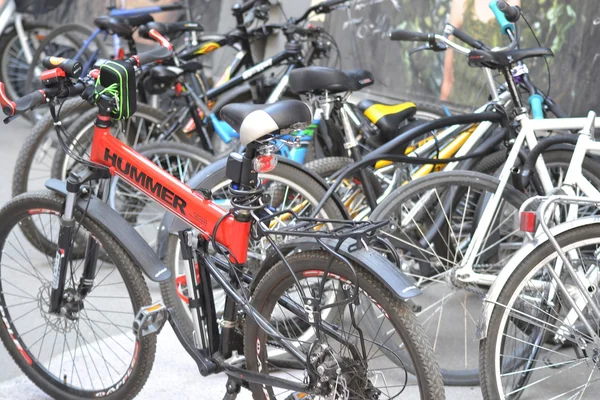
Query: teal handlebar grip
{"points": [[501, 18], [536, 102]]}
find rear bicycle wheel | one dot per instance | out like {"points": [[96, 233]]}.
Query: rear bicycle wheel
{"points": [[531, 348], [377, 372], [433, 219], [88, 349]]}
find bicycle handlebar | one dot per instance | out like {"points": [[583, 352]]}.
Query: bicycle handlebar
{"points": [[12, 108], [512, 13], [402, 35], [465, 37], [321, 8]]}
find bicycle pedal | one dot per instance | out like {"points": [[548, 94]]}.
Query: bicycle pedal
{"points": [[297, 396], [150, 320]]}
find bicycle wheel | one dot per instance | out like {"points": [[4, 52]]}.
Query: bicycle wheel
{"points": [[13, 64], [180, 160], [289, 187], [433, 219], [376, 371], [531, 347], [89, 349]]}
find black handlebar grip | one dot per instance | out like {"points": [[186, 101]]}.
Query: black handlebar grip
{"points": [[154, 55], [408, 36], [72, 68], [511, 13], [172, 7], [332, 3], [468, 39], [30, 101]]}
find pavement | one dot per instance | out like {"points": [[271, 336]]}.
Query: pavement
{"points": [[174, 374]]}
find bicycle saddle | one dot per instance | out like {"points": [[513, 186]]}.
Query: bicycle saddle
{"points": [[169, 29], [387, 117], [254, 121], [319, 79], [503, 59], [122, 26]]}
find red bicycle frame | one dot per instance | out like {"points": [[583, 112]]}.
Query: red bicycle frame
{"points": [[201, 213]]}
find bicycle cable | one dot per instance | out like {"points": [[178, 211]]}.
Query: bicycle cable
{"points": [[545, 58]]}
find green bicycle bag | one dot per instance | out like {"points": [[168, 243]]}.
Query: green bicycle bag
{"points": [[118, 78]]}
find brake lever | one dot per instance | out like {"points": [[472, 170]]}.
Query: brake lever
{"points": [[8, 120]]}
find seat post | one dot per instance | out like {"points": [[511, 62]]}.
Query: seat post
{"points": [[512, 88]]}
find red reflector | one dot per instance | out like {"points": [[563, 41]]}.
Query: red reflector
{"points": [[265, 163], [528, 221]]}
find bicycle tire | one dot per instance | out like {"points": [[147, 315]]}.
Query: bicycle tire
{"points": [[440, 180], [399, 314], [132, 383], [537, 259], [281, 173]]}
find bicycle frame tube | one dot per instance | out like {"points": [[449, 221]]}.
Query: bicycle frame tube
{"points": [[170, 193]]}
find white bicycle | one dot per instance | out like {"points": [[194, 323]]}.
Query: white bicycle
{"points": [[455, 231], [540, 322]]}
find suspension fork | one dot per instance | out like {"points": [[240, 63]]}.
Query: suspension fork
{"points": [[65, 243], [90, 263]]}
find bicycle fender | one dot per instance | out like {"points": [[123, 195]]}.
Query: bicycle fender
{"points": [[403, 286], [208, 178], [491, 299], [137, 248]]}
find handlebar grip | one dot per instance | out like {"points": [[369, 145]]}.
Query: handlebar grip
{"points": [[154, 55], [537, 109], [172, 7], [468, 39], [72, 68], [505, 25], [23, 104], [332, 3], [408, 36], [511, 13]]}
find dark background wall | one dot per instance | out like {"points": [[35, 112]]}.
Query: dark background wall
{"points": [[570, 27]]}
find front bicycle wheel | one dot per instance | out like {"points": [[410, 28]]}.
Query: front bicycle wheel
{"points": [[536, 343], [432, 222], [87, 349], [396, 360]]}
